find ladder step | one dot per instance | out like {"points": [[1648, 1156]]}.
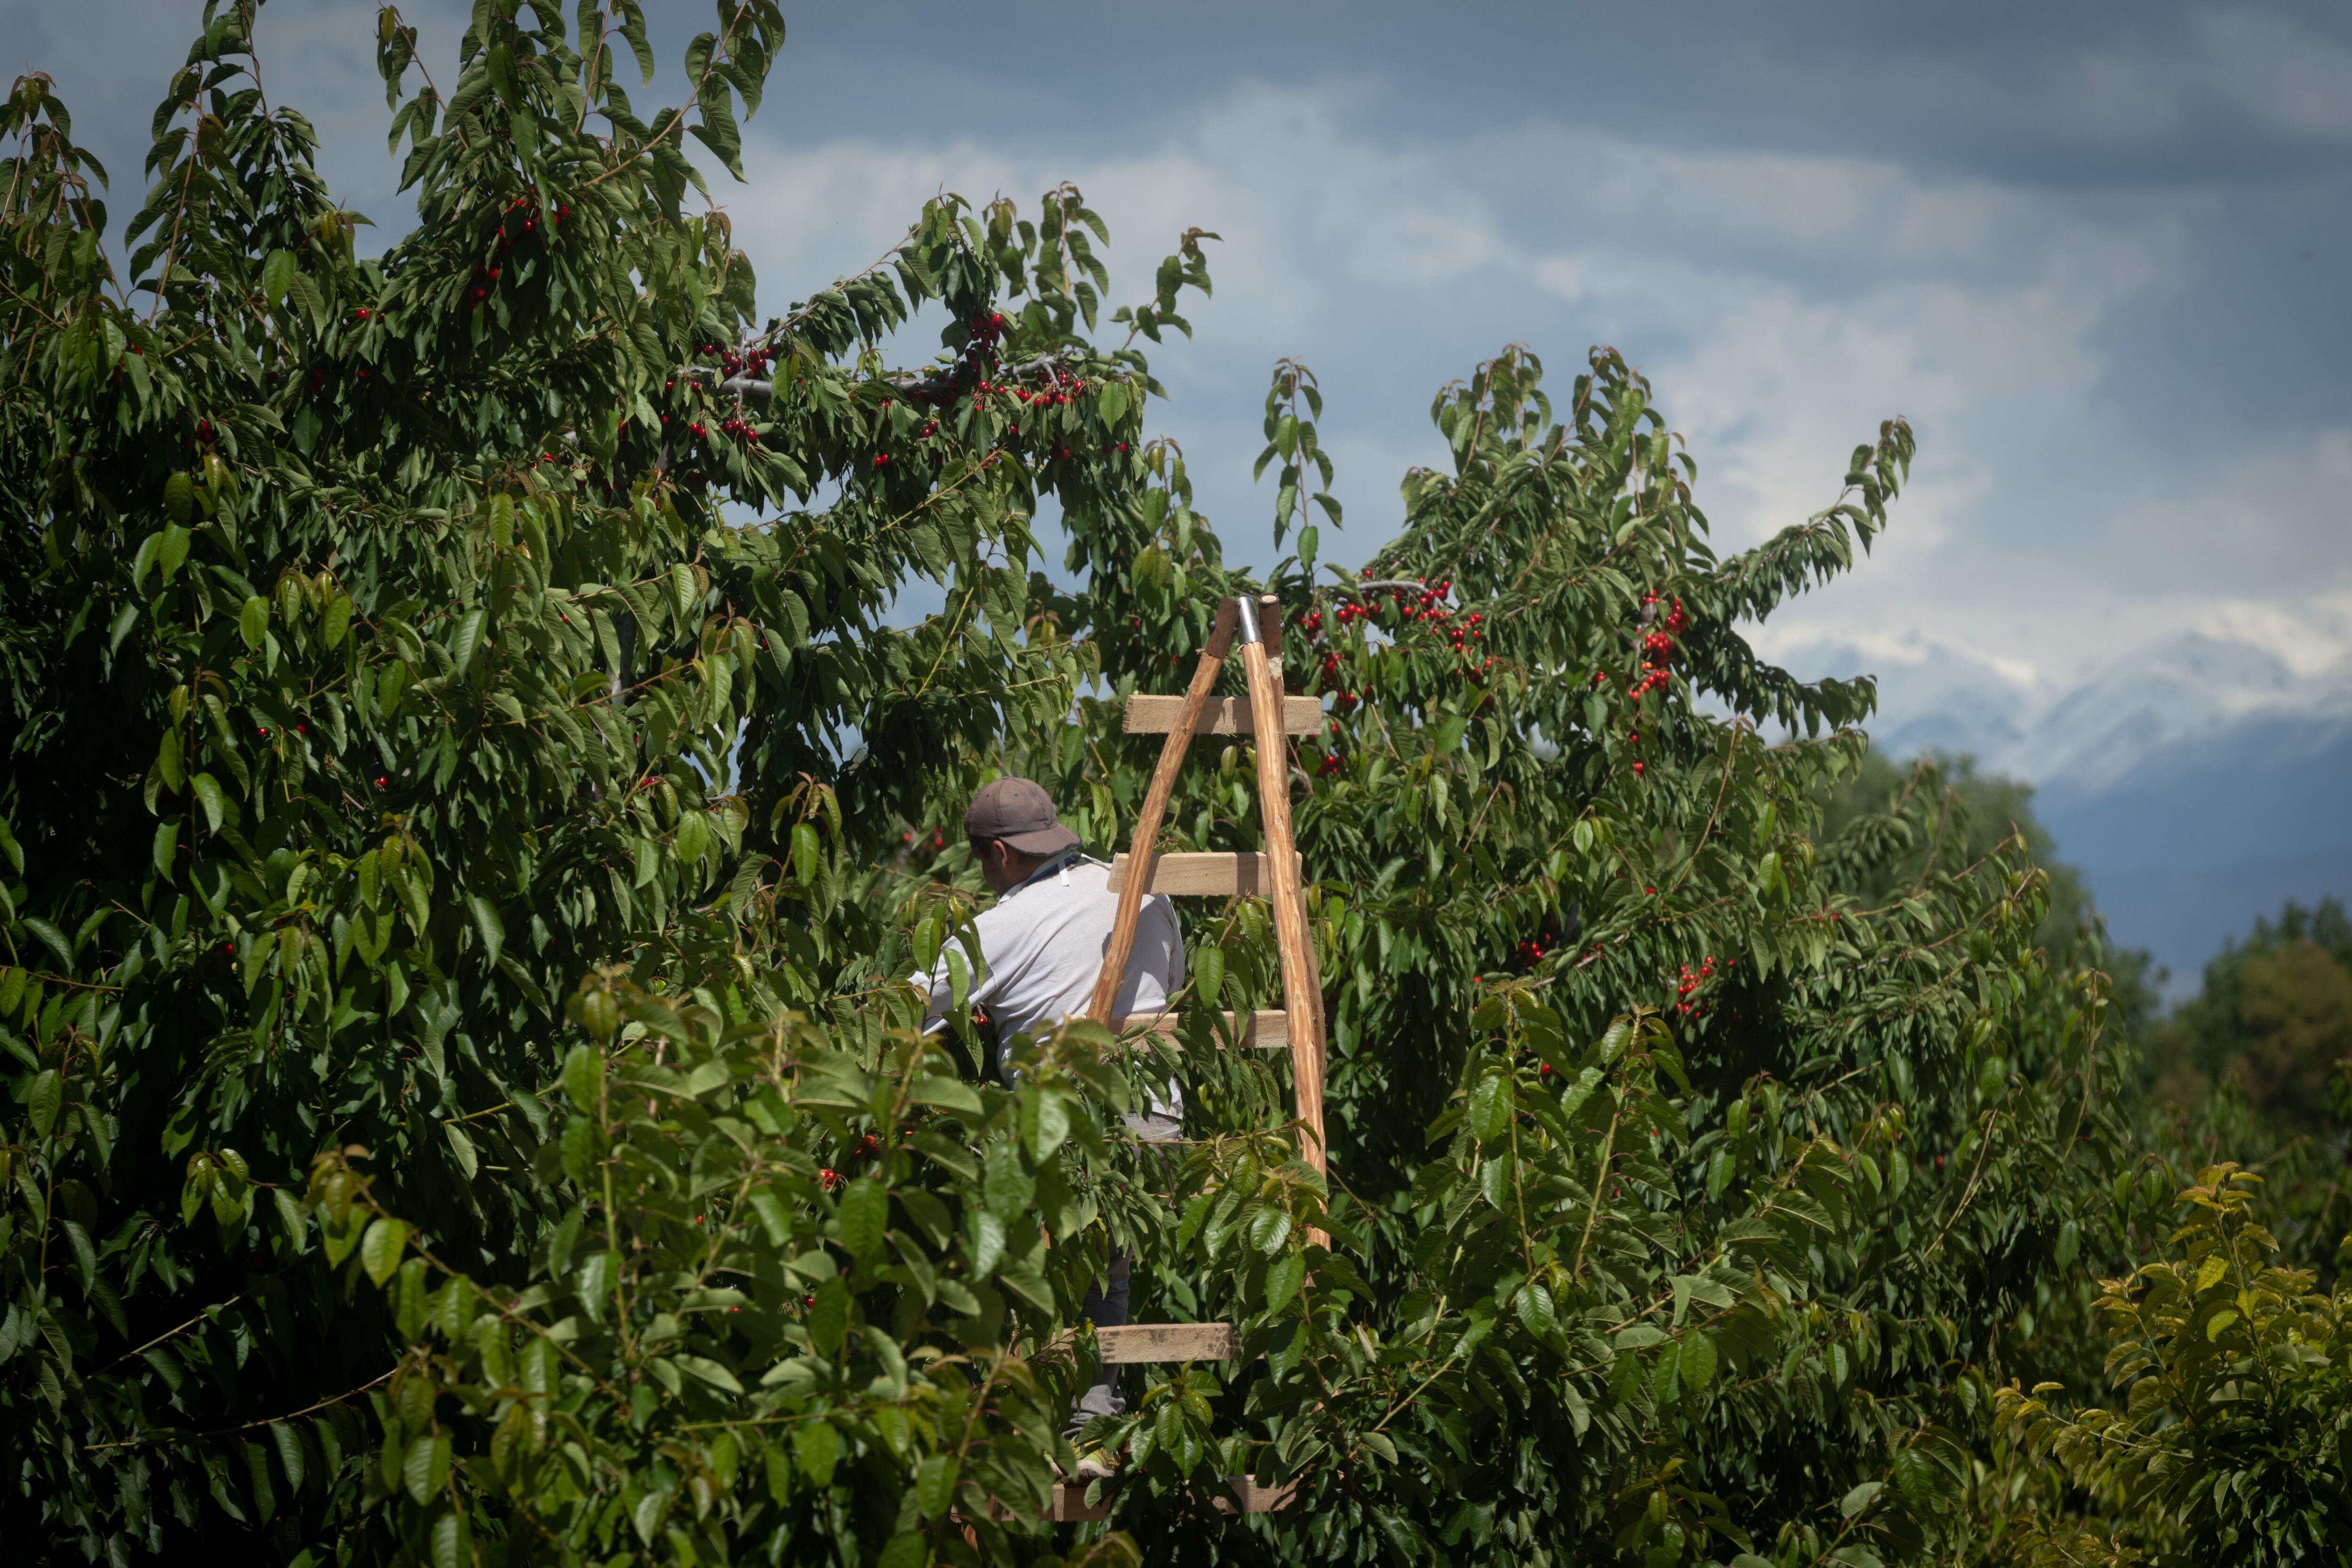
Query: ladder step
{"points": [[1221, 716], [1255, 1496], [1264, 1031], [1140, 1342], [1070, 1505], [1214, 874]]}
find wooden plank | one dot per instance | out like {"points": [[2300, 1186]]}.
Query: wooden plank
{"points": [[1263, 1031], [1204, 874], [1071, 1507], [1248, 1496], [1298, 985], [1254, 1496], [1140, 1342], [1221, 716]]}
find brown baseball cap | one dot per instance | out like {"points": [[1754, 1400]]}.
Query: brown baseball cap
{"points": [[1021, 813]]}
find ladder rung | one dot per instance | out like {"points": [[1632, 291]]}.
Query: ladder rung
{"points": [[1070, 1505], [1264, 1031], [1255, 1496], [1221, 716], [1167, 1341], [1213, 874]]}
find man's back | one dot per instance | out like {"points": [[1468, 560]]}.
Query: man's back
{"points": [[1042, 948]]}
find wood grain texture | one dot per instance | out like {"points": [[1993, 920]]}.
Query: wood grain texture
{"points": [[1246, 1496], [1210, 875], [1253, 1497], [1155, 807], [1264, 1030], [1299, 987], [1142, 1342], [1221, 716]]}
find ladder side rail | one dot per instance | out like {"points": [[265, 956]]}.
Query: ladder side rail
{"points": [[1155, 808], [1270, 628], [1285, 897]]}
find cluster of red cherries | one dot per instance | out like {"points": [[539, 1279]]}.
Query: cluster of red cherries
{"points": [[1531, 952], [1429, 607], [752, 362], [868, 1147], [509, 236], [1692, 979], [1657, 650]]}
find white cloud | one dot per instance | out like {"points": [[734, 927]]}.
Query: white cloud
{"points": [[1781, 303], [2237, 67]]}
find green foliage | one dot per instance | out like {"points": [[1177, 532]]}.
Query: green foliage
{"points": [[374, 646], [383, 653], [2236, 1433], [727, 1336], [2275, 1017]]}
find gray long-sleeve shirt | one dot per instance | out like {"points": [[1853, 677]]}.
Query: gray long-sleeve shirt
{"points": [[1041, 947]]}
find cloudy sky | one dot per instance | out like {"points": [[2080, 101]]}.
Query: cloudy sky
{"points": [[2095, 253]]}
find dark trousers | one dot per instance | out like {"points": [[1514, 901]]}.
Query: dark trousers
{"points": [[1104, 1308]]}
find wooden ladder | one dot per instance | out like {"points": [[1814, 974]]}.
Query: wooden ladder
{"points": [[1274, 872], [1169, 1343]]}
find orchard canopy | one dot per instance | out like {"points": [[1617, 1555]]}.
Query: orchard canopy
{"points": [[468, 814]]}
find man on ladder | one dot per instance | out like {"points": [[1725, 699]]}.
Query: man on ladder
{"points": [[1070, 937], [1042, 948]]}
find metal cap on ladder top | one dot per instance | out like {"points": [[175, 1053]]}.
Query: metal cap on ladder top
{"points": [[1247, 610]]}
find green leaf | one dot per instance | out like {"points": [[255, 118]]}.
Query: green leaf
{"points": [[252, 621], [43, 1098], [1861, 1498], [947, 1094], [584, 1078], [380, 1248], [1044, 1122], [1209, 975], [462, 1148], [710, 1372], [935, 1480], [424, 1468], [452, 1545], [54, 940], [816, 1447], [1536, 1309], [1699, 1360], [1491, 1107], [828, 1316], [208, 796], [1282, 1278], [468, 638], [863, 1210], [487, 926], [276, 275]]}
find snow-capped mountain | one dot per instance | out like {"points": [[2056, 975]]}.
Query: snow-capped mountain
{"points": [[2200, 781]]}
